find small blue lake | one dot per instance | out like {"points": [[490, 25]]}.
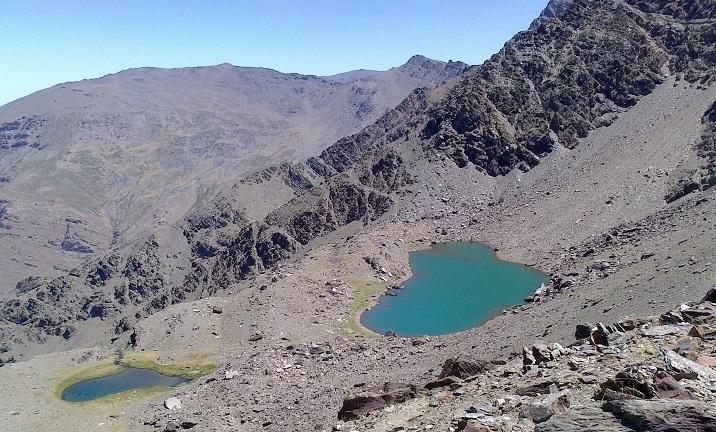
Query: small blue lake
{"points": [[455, 286], [127, 379]]}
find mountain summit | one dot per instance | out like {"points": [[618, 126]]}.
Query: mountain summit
{"points": [[113, 158]]}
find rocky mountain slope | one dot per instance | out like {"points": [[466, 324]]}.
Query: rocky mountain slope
{"points": [[88, 166], [583, 148]]}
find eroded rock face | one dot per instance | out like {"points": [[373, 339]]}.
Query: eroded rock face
{"points": [[534, 94], [707, 148], [705, 177]]}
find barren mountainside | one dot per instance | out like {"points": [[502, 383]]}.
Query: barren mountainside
{"points": [[584, 147], [574, 70], [88, 166]]}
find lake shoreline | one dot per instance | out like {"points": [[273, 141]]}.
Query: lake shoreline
{"points": [[479, 276]]}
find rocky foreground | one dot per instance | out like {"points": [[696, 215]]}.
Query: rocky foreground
{"points": [[642, 374]]}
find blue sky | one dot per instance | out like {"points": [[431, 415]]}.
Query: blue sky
{"points": [[46, 42]]}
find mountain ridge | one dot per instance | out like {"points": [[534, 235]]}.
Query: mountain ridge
{"points": [[124, 154], [560, 152]]}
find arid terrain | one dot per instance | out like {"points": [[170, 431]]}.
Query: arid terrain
{"points": [[91, 166], [584, 148]]}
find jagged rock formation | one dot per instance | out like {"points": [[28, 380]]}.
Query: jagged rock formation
{"points": [[568, 74]]}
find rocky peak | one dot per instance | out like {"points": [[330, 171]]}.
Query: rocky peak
{"points": [[421, 67], [577, 66], [554, 8]]}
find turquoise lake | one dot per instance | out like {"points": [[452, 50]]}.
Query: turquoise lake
{"points": [[455, 286], [128, 379]]}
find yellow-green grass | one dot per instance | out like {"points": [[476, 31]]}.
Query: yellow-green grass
{"points": [[416, 245], [194, 366], [97, 370], [364, 294]]}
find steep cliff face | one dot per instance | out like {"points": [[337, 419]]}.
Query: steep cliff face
{"points": [[580, 65], [707, 148]]}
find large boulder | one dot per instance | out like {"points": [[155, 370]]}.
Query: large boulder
{"points": [[664, 415], [668, 388], [631, 382], [542, 410], [540, 353], [705, 313], [464, 367], [375, 399], [710, 296], [173, 403], [450, 381], [703, 332], [582, 418], [583, 331], [681, 367]]}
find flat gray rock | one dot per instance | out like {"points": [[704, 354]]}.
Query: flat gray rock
{"points": [[662, 415], [582, 418]]}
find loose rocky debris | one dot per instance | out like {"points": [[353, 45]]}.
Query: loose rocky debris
{"points": [[636, 375], [542, 410]]}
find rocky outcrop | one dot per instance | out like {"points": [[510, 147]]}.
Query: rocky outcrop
{"points": [[426, 69], [56, 307], [705, 177], [664, 415], [299, 177], [334, 204], [464, 367], [582, 418], [396, 124], [707, 148], [577, 66], [375, 399], [20, 133], [255, 248], [105, 269]]}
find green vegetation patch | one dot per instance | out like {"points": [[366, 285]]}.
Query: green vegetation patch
{"points": [[365, 293], [192, 367]]}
